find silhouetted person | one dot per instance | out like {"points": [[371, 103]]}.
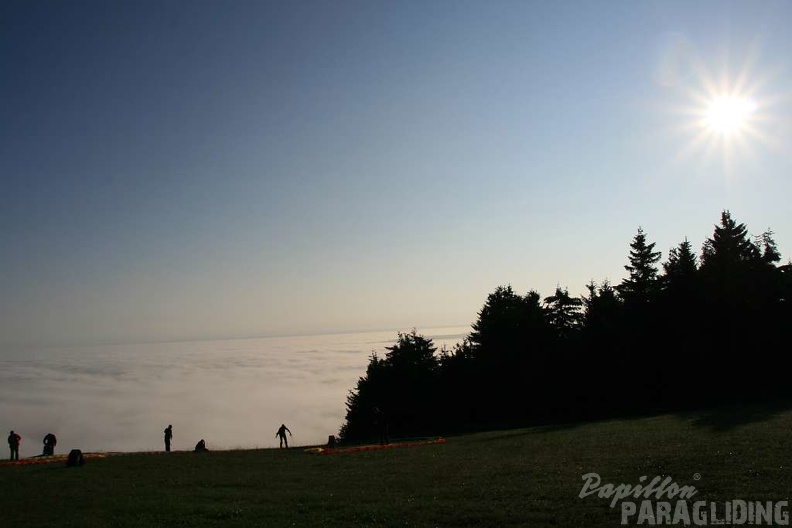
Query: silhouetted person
{"points": [[381, 424], [168, 436], [200, 446], [282, 435], [49, 444], [75, 458], [13, 444]]}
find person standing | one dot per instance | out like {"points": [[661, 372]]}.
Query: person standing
{"points": [[381, 424], [13, 444], [168, 437], [282, 435], [50, 441]]}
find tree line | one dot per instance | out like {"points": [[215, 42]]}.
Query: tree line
{"points": [[695, 330]]}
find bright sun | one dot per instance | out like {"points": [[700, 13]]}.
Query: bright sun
{"points": [[729, 115]]}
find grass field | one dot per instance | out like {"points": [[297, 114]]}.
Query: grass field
{"points": [[525, 477]]}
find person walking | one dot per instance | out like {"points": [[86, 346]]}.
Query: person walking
{"points": [[168, 436], [282, 435], [13, 444]]}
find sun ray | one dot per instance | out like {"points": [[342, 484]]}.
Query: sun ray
{"points": [[727, 114], [741, 81]]}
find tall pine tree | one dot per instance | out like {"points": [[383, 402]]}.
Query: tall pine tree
{"points": [[730, 250], [642, 282], [682, 263]]}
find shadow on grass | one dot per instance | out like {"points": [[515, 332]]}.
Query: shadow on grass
{"points": [[501, 431], [721, 418], [551, 427], [728, 418]]}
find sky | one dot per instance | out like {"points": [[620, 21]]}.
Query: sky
{"points": [[178, 170]]}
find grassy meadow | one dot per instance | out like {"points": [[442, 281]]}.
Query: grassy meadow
{"points": [[523, 477]]}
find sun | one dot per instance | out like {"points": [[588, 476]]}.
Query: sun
{"points": [[721, 110], [728, 115]]}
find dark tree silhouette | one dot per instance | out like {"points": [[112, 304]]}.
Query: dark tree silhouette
{"points": [[506, 322], [641, 283], [681, 266], [705, 331], [730, 250], [601, 346], [678, 327], [742, 305], [362, 401], [601, 310], [770, 253], [563, 313], [402, 388], [510, 344], [459, 403], [638, 292]]}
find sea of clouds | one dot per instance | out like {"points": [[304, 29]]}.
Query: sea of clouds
{"points": [[232, 393]]}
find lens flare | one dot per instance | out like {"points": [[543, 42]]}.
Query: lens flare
{"points": [[727, 111]]}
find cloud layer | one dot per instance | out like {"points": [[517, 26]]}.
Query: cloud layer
{"points": [[231, 393]]}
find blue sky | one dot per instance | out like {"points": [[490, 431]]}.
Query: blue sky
{"points": [[177, 170]]}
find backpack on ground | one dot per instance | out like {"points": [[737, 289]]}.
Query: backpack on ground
{"points": [[75, 459]]}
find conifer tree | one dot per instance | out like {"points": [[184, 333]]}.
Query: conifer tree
{"points": [[601, 308], [563, 312], [682, 263], [730, 248], [641, 284], [770, 253], [506, 322]]}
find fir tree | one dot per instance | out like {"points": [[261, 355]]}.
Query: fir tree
{"points": [[730, 248], [601, 308], [506, 322], [563, 312], [682, 262], [641, 283], [770, 253]]}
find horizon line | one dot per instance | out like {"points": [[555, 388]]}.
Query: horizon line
{"points": [[220, 338]]}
